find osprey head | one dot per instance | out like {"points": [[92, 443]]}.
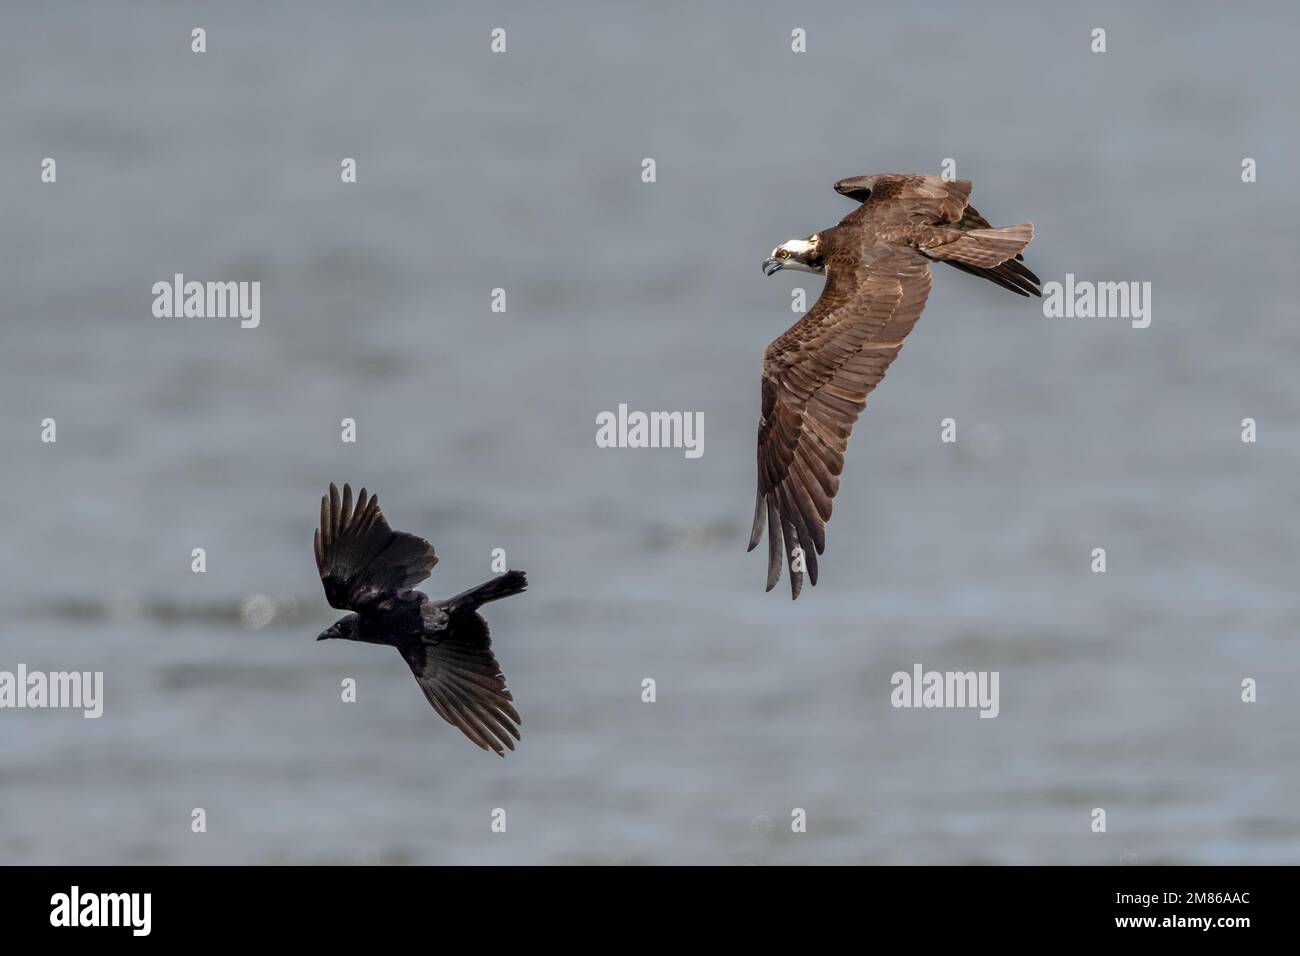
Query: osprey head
{"points": [[345, 628], [801, 254]]}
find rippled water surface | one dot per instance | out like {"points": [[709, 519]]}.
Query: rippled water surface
{"points": [[522, 172]]}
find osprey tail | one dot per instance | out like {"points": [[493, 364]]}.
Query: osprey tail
{"points": [[992, 254], [512, 582], [1012, 274], [979, 247]]}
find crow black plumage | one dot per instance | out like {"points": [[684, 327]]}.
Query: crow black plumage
{"points": [[371, 570]]}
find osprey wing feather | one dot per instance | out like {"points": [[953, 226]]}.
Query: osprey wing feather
{"points": [[816, 379]]}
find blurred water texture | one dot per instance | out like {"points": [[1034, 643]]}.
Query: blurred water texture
{"points": [[522, 171]]}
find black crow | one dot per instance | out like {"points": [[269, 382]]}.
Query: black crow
{"points": [[370, 569]]}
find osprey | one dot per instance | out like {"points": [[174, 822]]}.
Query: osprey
{"points": [[369, 568], [817, 376]]}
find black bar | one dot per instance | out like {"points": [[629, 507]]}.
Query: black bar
{"points": [[330, 905]]}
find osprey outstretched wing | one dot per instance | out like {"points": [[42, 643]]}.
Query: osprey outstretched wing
{"points": [[817, 376]]}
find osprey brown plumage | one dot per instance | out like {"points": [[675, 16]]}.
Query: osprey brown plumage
{"points": [[817, 376]]}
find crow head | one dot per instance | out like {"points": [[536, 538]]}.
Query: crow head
{"points": [[345, 628]]}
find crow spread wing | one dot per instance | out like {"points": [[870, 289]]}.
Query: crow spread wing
{"points": [[461, 678], [362, 561], [816, 379]]}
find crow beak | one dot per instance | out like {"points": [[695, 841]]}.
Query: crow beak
{"points": [[326, 635], [770, 266]]}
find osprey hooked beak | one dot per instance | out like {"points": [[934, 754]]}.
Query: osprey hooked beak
{"points": [[801, 254]]}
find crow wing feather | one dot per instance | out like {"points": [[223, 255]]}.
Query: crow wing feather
{"points": [[362, 561], [463, 682]]}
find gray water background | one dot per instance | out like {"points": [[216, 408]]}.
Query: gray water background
{"points": [[522, 171]]}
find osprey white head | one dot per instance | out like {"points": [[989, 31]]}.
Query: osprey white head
{"points": [[801, 254]]}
